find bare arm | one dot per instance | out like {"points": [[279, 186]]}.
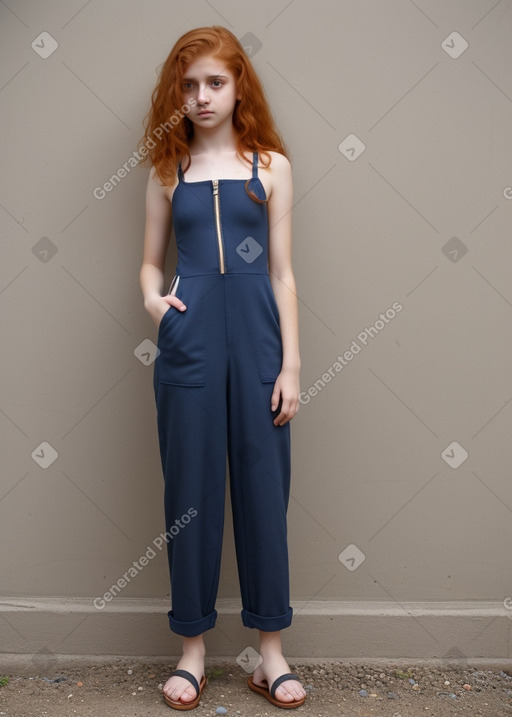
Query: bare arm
{"points": [[283, 284], [156, 239]]}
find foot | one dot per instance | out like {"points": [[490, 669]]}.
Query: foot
{"points": [[273, 666], [179, 689]]}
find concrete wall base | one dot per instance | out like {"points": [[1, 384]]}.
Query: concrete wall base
{"points": [[42, 631]]}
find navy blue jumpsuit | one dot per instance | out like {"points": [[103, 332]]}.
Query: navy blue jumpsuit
{"points": [[213, 379]]}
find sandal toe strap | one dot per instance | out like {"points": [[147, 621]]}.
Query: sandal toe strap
{"points": [[282, 678], [190, 677]]}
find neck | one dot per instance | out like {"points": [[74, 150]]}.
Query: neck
{"points": [[217, 140]]}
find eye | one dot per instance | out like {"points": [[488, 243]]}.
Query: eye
{"points": [[217, 83], [187, 85]]}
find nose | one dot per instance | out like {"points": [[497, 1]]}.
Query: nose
{"points": [[202, 95]]}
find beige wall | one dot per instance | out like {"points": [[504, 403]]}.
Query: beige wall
{"points": [[373, 474]]}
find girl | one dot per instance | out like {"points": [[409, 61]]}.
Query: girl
{"points": [[226, 377]]}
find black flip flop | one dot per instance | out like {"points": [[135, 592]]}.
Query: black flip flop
{"points": [[198, 688], [271, 694]]}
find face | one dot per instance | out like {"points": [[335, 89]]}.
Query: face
{"points": [[213, 87]]}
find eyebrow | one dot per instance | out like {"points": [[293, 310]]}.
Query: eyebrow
{"points": [[210, 77]]}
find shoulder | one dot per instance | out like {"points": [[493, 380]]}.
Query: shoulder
{"points": [[277, 178], [279, 170], [154, 177], [156, 185], [279, 162]]}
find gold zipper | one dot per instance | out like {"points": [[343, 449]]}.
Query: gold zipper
{"points": [[217, 223]]}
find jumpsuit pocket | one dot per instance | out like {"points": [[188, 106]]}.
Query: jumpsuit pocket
{"points": [[181, 342], [269, 349]]}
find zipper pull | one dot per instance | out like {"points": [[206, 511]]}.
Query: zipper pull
{"points": [[215, 186]]}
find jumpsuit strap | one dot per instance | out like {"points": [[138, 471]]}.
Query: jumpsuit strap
{"points": [[180, 172], [254, 164]]}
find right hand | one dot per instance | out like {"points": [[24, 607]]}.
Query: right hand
{"points": [[159, 305]]}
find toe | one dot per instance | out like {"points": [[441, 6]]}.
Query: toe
{"points": [[289, 691], [187, 693], [283, 694]]}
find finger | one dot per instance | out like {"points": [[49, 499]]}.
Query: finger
{"points": [[177, 303], [274, 399], [281, 419], [294, 407], [288, 406], [284, 415]]}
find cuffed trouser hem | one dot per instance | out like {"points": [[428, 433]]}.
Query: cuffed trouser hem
{"points": [[191, 629], [269, 624]]}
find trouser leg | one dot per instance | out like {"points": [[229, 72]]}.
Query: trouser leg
{"points": [[192, 432], [259, 470]]}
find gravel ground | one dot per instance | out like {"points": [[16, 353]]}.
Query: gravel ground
{"points": [[131, 688]]}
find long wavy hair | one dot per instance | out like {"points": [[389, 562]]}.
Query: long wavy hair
{"points": [[168, 130]]}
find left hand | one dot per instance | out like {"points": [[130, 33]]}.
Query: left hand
{"points": [[287, 388]]}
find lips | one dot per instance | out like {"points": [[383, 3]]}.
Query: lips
{"points": [[204, 114]]}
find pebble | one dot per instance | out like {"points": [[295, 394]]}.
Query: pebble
{"points": [[344, 681], [447, 694], [56, 680]]}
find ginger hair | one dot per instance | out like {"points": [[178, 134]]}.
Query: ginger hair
{"points": [[168, 130]]}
